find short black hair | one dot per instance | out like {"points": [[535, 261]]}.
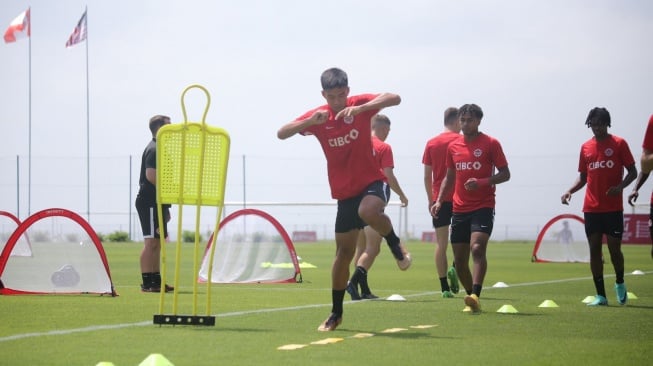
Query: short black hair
{"points": [[472, 109], [599, 115], [334, 78], [450, 116], [157, 121]]}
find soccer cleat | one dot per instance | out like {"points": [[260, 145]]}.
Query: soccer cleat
{"points": [[598, 301], [474, 304], [156, 289], [467, 309], [331, 323], [453, 280], [402, 256], [369, 296], [353, 291], [622, 294], [447, 294]]}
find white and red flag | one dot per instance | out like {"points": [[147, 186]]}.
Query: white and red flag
{"points": [[79, 33], [19, 28]]}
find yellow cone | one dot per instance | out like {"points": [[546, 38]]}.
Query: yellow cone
{"points": [[548, 304], [105, 363], [632, 296], [507, 309], [155, 359], [588, 299]]}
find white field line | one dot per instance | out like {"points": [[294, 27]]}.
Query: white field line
{"points": [[94, 328]]}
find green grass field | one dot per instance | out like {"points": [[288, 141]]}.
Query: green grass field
{"points": [[253, 321]]}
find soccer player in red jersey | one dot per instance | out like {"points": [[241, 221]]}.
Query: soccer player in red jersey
{"points": [[646, 163], [368, 245], [602, 161], [435, 168], [343, 129], [471, 165]]}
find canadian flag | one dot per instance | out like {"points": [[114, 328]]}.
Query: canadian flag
{"points": [[19, 28]]}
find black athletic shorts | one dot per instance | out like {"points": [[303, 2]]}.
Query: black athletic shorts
{"points": [[149, 218], [347, 218], [609, 223], [444, 215], [463, 224]]}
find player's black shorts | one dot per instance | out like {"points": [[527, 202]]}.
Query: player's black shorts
{"points": [[444, 215], [463, 224], [347, 218], [609, 223], [149, 218]]}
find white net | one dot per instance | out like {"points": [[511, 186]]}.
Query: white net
{"points": [[251, 247], [63, 260], [563, 240]]}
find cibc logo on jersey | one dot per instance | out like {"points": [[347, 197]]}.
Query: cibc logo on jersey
{"points": [[344, 140], [468, 165], [601, 164]]}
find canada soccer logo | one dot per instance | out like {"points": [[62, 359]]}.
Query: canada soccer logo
{"points": [[609, 152], [349, 120], [478, 153]]}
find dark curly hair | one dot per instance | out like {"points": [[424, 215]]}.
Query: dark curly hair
{"points": [[598, 116]]}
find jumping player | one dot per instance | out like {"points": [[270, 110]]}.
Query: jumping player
{"points": [[343, 129]]}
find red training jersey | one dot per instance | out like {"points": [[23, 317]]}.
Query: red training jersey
{"points": [[648, 142], [435, 154], [382, 155], [474, 159], [347, 146], [603, 162]]}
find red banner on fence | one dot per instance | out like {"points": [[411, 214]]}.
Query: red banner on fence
{"points": [[636, 229]]}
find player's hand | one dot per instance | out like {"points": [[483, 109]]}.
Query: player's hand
{"points": [[404, 201], [435, 208], [348, 112], [565, 198], [320, 116], [613, 191], [632, 198]]}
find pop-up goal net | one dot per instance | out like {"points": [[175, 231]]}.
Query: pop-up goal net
{"points": [[66, 257], [8, 224], [562, 239], [251, 247]]}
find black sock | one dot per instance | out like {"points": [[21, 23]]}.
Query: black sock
{"points": [[156, 279], [620, 276], [444, 284], [599, 285], [337, 297], [476, 289], [365, 288], [147, 280], [393, 243], [359, 272]]}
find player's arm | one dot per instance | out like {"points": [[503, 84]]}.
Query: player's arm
{"points": [[632, 197], [394, 185], [381, 101], [503, 175], [296, 126], [629, 178], [445, 188], [579, 183], [647, 161], [428, 184], [150, 175]]}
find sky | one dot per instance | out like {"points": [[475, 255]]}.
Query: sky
{"points": [[536, 68]]}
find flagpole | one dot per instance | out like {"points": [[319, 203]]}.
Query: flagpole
{"points": [[29, 138], [88, 144]]}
